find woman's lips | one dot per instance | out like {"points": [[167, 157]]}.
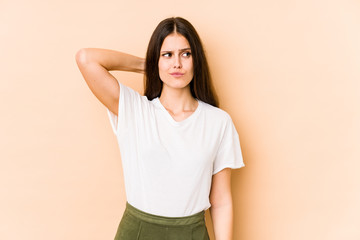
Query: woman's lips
{"points": [[176, 74]]}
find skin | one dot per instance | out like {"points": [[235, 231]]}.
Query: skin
{"points": [[221, 209], [95, 64], [175, 57]]}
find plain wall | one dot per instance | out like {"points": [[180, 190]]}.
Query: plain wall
{"points": [[286, 71]]}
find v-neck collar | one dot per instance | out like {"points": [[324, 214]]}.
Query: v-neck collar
{"points": [[171, 119]]}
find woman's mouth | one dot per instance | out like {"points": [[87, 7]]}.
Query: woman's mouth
{"points": [[176, 74]]}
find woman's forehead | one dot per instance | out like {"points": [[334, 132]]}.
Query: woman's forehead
{"points": [[175, 42]]}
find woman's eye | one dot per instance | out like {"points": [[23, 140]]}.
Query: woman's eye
{"points": [[186, 54], [167, 54]]}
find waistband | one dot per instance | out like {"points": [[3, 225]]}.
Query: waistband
{"points": [[195, 218]]}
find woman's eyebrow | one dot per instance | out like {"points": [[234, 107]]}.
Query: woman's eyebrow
{"points": [[180, 50], [184, 49]]}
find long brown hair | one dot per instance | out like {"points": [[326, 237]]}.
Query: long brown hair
{"points": [[201, 86]]}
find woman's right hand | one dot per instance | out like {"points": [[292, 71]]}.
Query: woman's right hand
{"points": [[95, 64]]}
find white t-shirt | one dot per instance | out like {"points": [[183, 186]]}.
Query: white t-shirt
{"points": [[168, 165]]}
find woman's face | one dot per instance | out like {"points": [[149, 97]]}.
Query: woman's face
{"points": [[175, 62]]}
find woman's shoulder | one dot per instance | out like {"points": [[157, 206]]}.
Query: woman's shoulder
{"points": [[215, 113]]}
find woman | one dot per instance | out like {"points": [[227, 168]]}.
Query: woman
{"points": [[177, 147]]}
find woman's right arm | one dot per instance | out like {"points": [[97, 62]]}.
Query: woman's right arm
{"points": [[95, 64]]}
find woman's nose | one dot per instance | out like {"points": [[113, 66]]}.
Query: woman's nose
{"points": [[177, 62]]}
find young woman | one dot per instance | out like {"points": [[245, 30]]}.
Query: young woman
{"points": [[177, 147]]}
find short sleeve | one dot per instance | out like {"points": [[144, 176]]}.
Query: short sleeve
{"points": [[229, 154], [130, 105]]}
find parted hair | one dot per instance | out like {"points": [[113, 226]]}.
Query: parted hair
{"points": [[201, 85]]}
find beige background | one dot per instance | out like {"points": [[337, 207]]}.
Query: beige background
{"points": [[286, 71]]}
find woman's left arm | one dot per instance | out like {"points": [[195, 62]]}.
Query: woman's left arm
{"points": [[221, 209]]}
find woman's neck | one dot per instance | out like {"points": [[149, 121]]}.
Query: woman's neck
{"points": [[178, 100]]}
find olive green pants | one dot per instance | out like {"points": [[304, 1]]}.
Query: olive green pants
{"points": [[138, 225]]}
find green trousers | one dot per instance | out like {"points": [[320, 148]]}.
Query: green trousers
{"points": [[138, 225]]}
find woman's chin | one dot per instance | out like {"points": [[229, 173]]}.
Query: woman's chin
{"points": [[177, 84]]}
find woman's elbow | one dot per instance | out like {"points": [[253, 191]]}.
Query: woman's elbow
{"points": [[82, 56]]}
